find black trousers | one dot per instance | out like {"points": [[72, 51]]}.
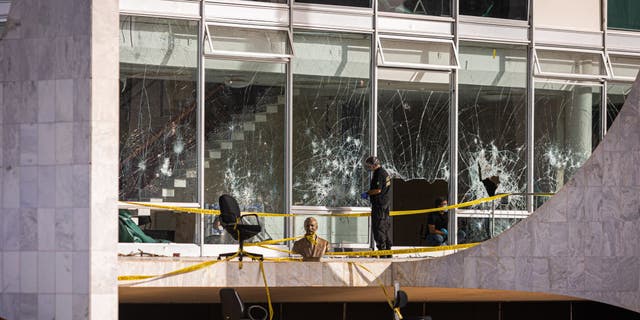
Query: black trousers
{"points": [[381, 227]]}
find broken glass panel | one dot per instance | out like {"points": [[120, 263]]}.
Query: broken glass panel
{"points": [[244, 140], [616, 95], [477, 229], [158, 60], [331, 93], [492, 123], [423, 7], [566, 130], [413, 123]]}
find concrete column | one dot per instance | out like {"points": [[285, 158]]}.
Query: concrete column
{"points": [[579, 123], [59, 160]]}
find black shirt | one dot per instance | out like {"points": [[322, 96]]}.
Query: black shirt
{"points": [[380, 180], [438, 220]]}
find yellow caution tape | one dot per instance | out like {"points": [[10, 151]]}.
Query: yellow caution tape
{"points": [[266, 287], [277, 249], [402, 251], [174, 208], [262, 243], [348, 215], [384, 289], [177, 272], [453, 206]]}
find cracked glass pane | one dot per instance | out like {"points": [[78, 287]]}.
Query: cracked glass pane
{"points": [[492, 123], [244, 141], [422, 7], [479, 229], [566, 130], [571, 63], [616, 95], [413, 123], [158, 60], [331, 90]]}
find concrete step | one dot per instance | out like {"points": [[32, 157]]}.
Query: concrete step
{"points": [[261, 117], [237, 136], [215, 154], [249, 126]]}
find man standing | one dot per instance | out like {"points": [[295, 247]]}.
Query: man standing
{"points": [[437, 223], [311, 247], [379, 196]]}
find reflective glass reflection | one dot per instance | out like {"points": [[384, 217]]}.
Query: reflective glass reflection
{"points": [[566, 130], [504, 9], [331, 90], [158, 59], [623, 14], [244, 141], [413, 123], [423, 7], [158, 226], [492, 123]]}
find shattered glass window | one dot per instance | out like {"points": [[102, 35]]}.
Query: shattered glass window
{"points": [[331, 97], [244, 140], [477, 229], [492, 123], [422, 7], [413, 123], [566, 130], [158, 60], [616, 95]]}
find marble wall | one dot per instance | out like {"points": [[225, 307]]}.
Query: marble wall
{"points": [[582, 243], [58, 160]]}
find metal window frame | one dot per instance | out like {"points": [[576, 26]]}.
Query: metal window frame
{"points": [[538, 68], [621, 54], [454, 50], [217, 54]]}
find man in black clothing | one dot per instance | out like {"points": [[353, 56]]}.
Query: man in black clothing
{"points": [[379, 196], [437, 223]]}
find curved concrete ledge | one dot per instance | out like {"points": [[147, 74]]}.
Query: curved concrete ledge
{"points": [[584, 242]]}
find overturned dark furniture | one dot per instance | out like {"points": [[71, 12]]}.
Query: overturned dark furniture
{"points": [[233, 307], [241, 227]]}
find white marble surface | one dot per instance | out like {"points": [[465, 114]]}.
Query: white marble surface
{"points": [[57, 196]]}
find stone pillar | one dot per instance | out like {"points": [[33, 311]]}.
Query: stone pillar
{"points": [[59, 160]]}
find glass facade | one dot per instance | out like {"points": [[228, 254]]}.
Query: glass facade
{"points": [[421, 7], [504, 9], [158, 81], [567, 129], [331, 97], [350, 3], [623, 14], [413, 123], [282, 116], [492, 121], [244, 139]]}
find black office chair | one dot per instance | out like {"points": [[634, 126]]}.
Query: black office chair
{"points": [[241, 227], [233, 308]]}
